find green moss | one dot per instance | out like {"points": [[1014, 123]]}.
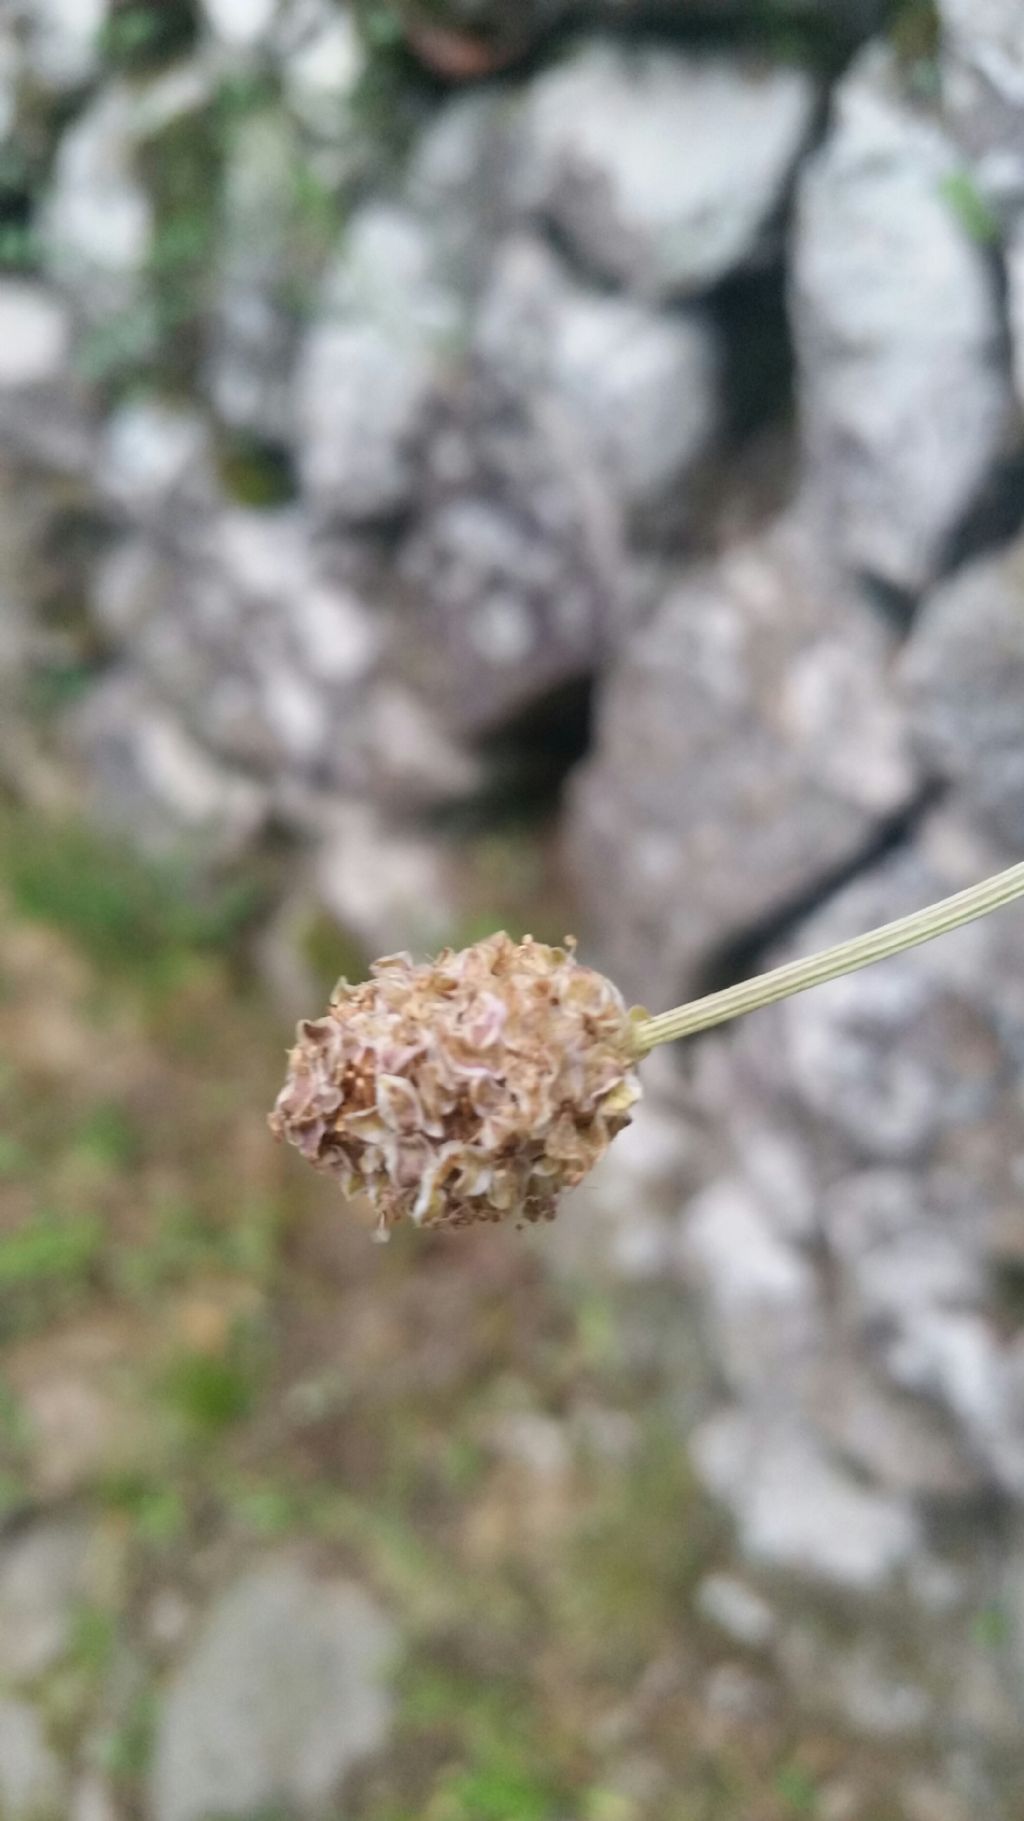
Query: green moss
{"points": [[970, 208]]}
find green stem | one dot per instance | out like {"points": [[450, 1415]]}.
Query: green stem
{"points": [[797, 976]]}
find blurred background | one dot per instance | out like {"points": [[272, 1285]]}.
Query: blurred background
{"points": [[555, 466]]}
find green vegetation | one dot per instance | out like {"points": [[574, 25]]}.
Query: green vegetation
{"points": [[968, 204], [127, 914]]}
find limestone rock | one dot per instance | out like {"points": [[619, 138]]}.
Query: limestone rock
{"points": [[43, 1581], [512, 565], [964, 676], [61, 41], [748, 744], [260, 655], [983, 91], [906, 398], [639, 386], [388, 887], [98, 222], [31, 1781], [371, 365], [281, 1695], [642, 158], [147, 779], [43, 417], [798, 1512]]}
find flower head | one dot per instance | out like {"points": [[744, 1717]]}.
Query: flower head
{"points": [[474, 1087]]}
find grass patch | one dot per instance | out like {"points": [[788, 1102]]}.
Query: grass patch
{"points": [[208, 1392], [46, 1265], [127, 914]]}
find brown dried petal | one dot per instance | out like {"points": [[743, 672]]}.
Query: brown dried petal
{"points": [[474, 1087]]}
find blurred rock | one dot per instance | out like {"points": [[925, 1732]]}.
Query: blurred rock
{"points": [[98, 221], [459, 177], [375, 357], [146, 778], [280, 1697], [43, 1582], [43, 417], [156, 459], [641, 157], [92, 1800], [983, 90], [61, 40], [262, 658], [32, 1785], [758, 1291], [323, 62], [798, 1512], [905, 394], [513, 562], [964, 677], [258, 277], [240, 24], [415, 762], [748, 745], [389, 888], [736, 1609], [639, 387]]}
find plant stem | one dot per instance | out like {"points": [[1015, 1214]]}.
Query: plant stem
{"points": [[797, 976]]}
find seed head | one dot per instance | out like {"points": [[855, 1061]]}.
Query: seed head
{"points": [[474, 1087]]}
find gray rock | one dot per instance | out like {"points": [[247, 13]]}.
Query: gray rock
{"points": [[323, 61], [371, 365], [92, 1800], [280, 1697], [240, 24], [262, 656], [460, 177], [43, 1580], [737, 1610], [389, 888], [983, 90], [513, 564], [61, 41], [148, 779], [639, 386], [747, 744], [98, 222], [31, 1781], [759, 1292], [798, 1512], [905, 397], [963, 673], [43, 416], [155, 456], [642, 157], [248, 367]]}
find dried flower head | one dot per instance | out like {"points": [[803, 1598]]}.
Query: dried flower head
{"points": [[474, 1087]]}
